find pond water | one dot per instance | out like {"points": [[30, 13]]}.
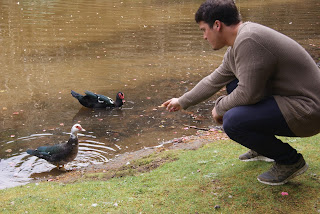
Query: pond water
{"points": [[149, 50]]}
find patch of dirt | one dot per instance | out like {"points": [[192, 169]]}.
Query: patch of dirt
{"points": [[143, 160]]}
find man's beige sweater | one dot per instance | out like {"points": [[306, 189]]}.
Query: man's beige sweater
{"points": [[266, 63]]}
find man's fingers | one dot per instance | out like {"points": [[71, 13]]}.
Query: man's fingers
{"points": [[165, 104]]}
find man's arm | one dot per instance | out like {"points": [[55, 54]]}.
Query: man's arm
{"points": [[254, 68], [209, 85], [204, 89]]}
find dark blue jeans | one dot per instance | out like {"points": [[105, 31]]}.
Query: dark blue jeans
{"points": [[255, 127]]}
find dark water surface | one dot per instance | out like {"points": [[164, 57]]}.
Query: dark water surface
{"points": [[149, 50]]}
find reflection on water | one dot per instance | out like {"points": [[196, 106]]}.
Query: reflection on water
{"points": [[16, 169], [150, 50], [20, 167]]}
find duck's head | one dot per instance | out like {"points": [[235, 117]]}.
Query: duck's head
{"points": [[76, 128], [120, 96]]}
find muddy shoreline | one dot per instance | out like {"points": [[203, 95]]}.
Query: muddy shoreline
{"points": [[123, 161]]}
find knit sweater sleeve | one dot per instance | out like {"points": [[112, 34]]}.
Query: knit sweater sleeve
{"points": [[254, 66], [208, 85]]}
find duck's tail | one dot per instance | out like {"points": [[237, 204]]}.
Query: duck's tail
{"points": [[76, 95], [31, 152], [39, 153]]}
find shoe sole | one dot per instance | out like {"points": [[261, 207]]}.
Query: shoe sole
{"points": [[299, 172], [258, 158]]}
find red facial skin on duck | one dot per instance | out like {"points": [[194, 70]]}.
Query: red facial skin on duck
{"points": [[80, 128], [121, 96]]}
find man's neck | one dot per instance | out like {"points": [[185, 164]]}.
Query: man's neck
{"points": [[231, 33]]}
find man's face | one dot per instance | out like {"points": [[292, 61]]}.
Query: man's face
{"points": [[212, 35]]}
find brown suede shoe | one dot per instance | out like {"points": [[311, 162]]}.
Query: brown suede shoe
{"points": [[281, 174], [254, 156]]}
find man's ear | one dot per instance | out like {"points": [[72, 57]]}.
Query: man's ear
{"points": [[218, 25]]}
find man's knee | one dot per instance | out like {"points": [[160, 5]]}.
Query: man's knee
{"points": [[236, 121], [230, 122]]}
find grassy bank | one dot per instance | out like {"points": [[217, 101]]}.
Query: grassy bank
{"points": [[207, 180]]}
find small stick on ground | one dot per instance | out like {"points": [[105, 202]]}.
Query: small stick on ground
{"points": [[198, 128]]}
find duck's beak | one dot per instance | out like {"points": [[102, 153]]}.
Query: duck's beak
{"points": [[81, 129]]}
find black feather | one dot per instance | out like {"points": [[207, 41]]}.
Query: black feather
{"points": [[62, 153], [92, 100]]}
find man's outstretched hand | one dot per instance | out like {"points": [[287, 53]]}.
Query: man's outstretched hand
{"points": [[172, 105]]}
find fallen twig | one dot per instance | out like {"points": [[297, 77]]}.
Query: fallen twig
{"points": [[194, 127]]}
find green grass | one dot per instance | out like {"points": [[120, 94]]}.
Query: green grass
{"points": [[191, 182]]}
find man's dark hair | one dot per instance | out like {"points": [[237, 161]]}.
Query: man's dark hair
{"points": [[222, 10]]}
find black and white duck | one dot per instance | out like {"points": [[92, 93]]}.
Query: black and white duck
{"points": [[92, 100], [60, 154]]}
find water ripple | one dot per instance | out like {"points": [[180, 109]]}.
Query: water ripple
{"points": [[20, 167]]}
